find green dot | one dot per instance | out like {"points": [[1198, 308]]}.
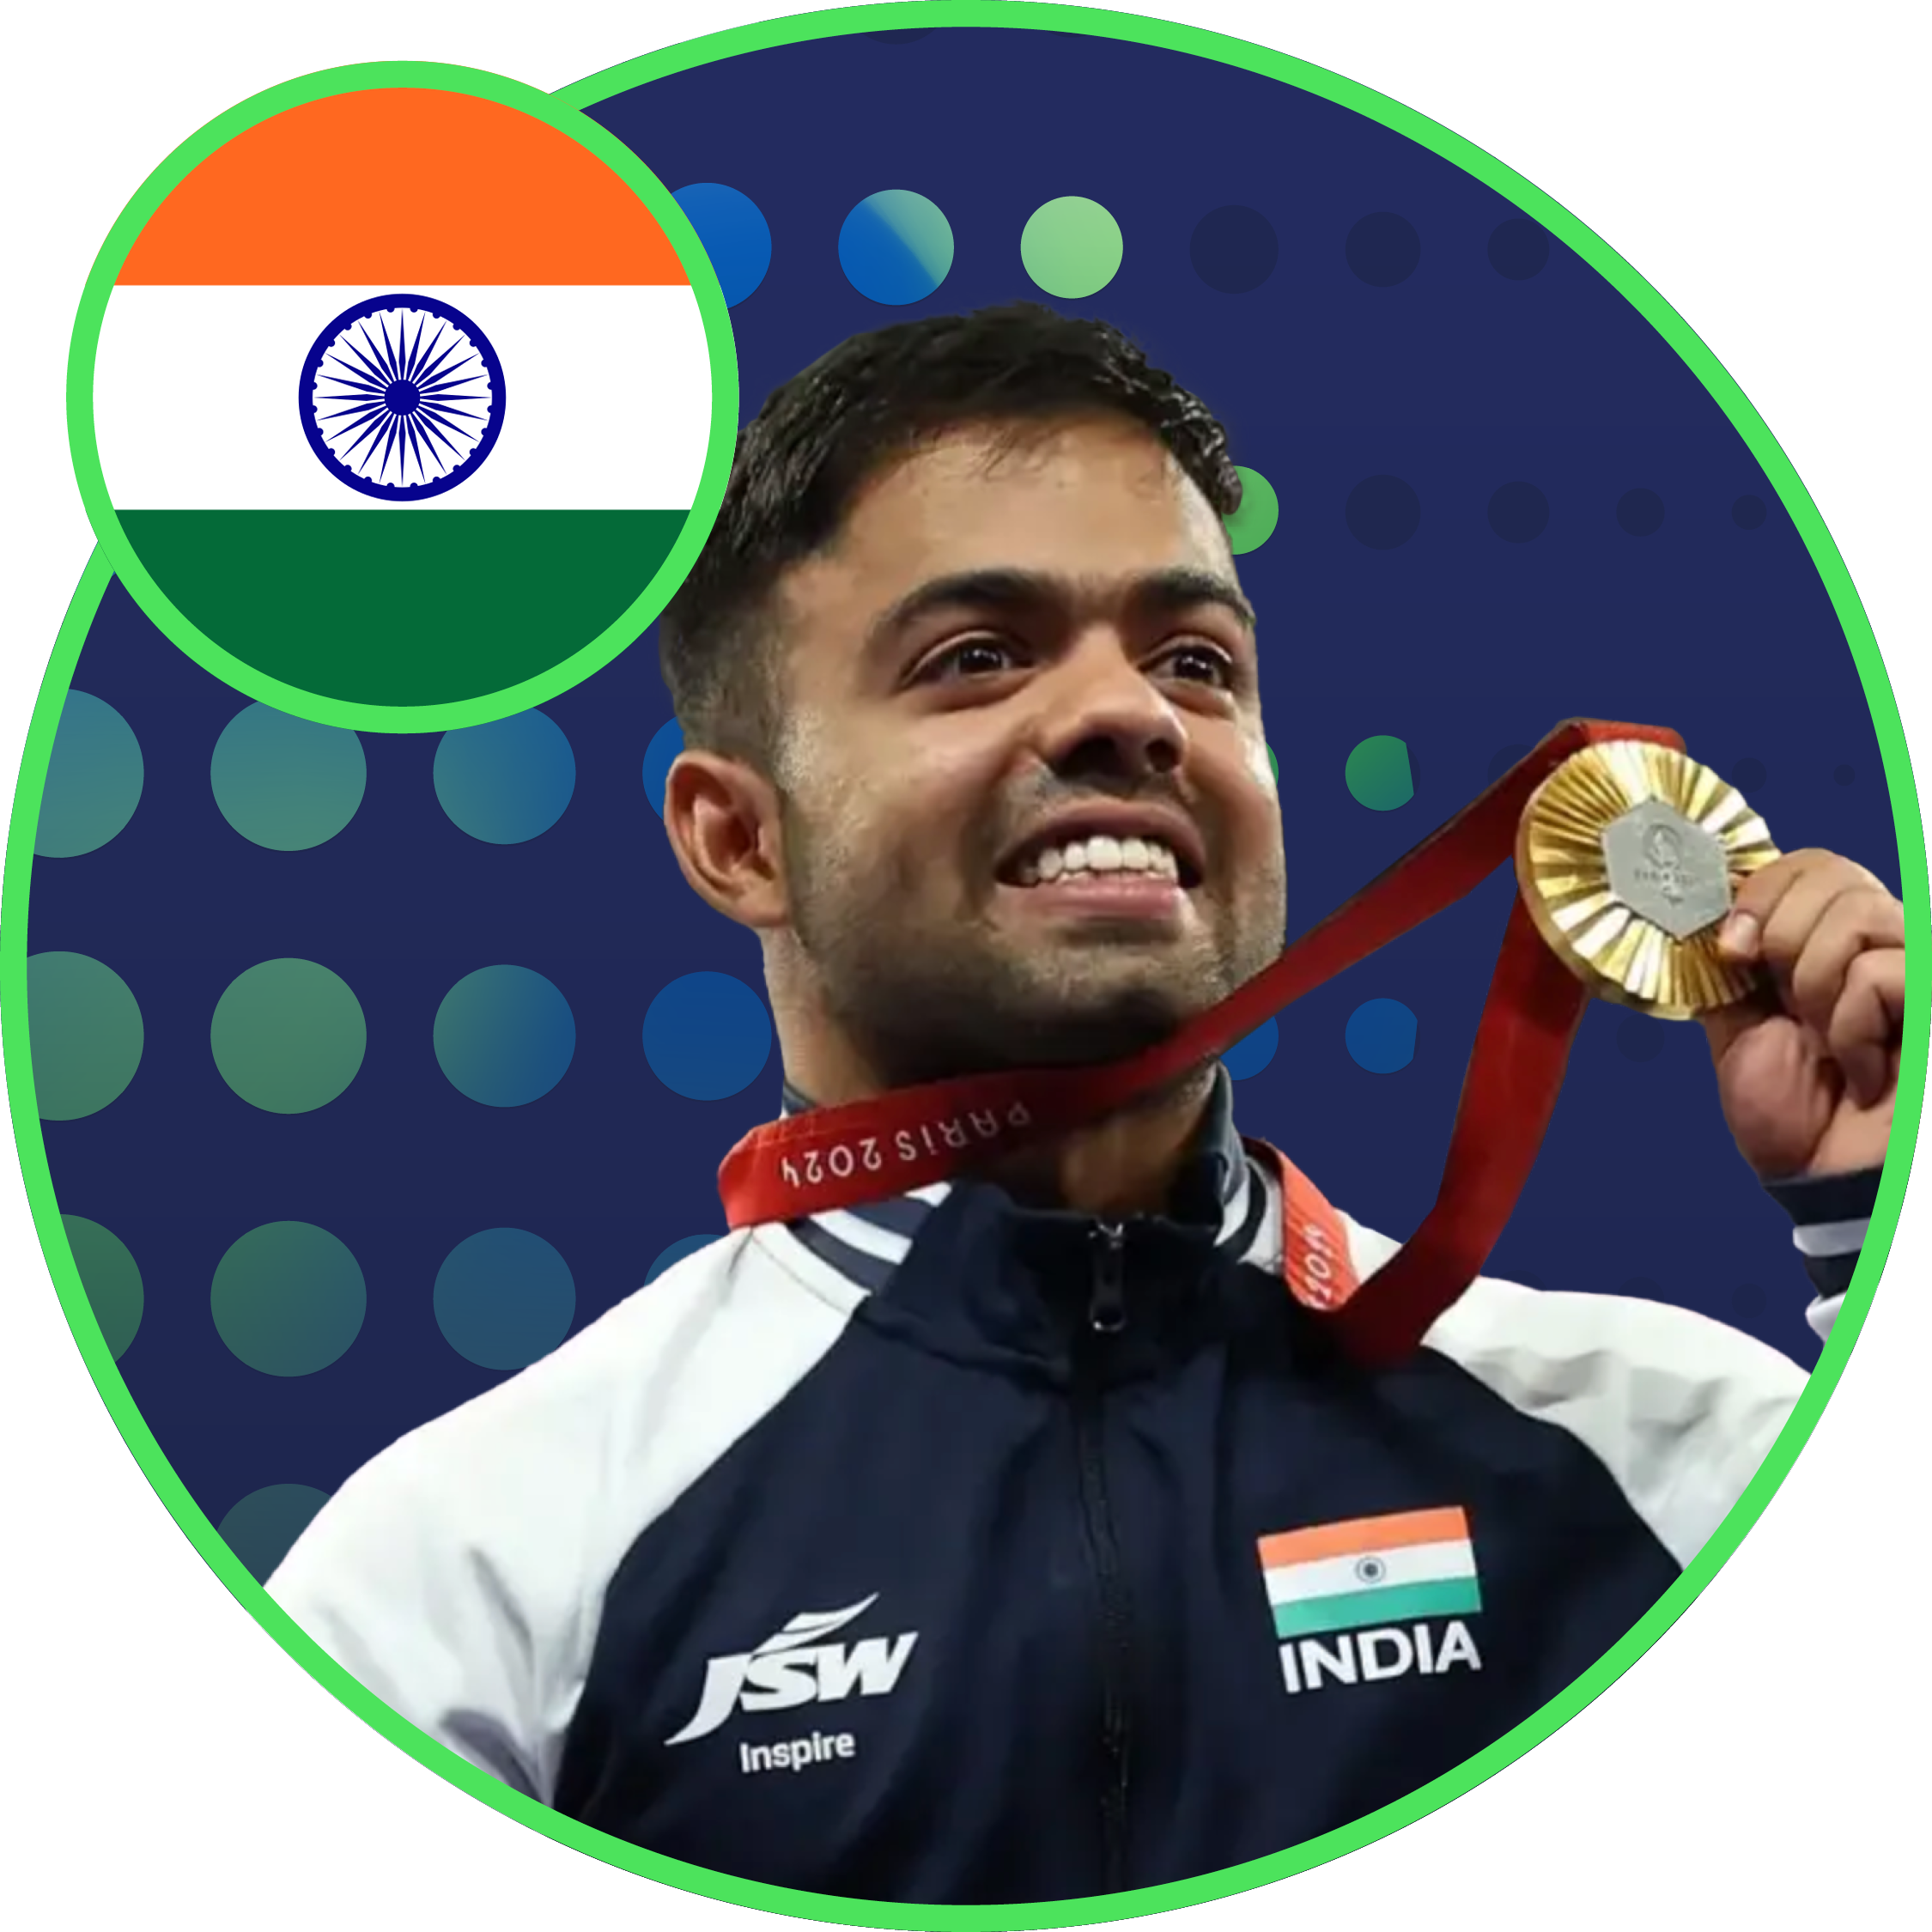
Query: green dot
{"points": [[262, 1527], [111, 1280], [85, 1031], [284, 783], [1072, 247], [287, 1035], [1274, 765], [287, 1298], [1378, 773], [1253, 524], [94, 775]]}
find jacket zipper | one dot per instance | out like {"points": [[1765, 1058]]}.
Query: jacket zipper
{"points": [[1106, 1315]]}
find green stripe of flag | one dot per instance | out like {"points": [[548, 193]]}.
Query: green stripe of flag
{"points": [[1350, 1609], [402, 606]]}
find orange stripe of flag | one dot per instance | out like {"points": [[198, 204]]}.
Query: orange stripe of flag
{"points": [[1365, 1533], [404, 186]]}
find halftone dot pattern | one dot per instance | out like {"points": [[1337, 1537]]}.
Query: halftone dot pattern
{"points": [[1233, 250], [1072, 247], [262, 1527], [1383, 249], [736, 236], [1253, 524], [504, 1299], [660, 755], [670, 1257], [1843, 775], [287, 1035], [1640, 513], [111, 1279], [1381, 1036], [287, 1298], [1519, 248], [285, 783], [1250, 1055], [507, 782], [895, 247], [504, 1035], [1749, 776], [1748, 513], [1382, 512], [1519, 512], [86, 1033], [1378, 774], [707, 1036], [1639, 1037], [1274, 765], [94, 775]]}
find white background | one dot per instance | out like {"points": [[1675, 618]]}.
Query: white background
{"points": [[1762, 166]]}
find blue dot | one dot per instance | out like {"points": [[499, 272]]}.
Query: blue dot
{"points": [[1748, 513], [1381, 1036], [1519, 248], [660, 755], [707, 1036], [504, 1035], [1518, 513], [734, 232], [263, 1527], [94, 775], [1247, 1057], [1383, 250], [1640, 513], [1234, 249], [675, 1253], [504, 1297], [895, 247], [505, 782], [1383, 513]]}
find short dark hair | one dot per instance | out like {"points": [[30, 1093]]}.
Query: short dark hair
{"points": [[802, 458]]}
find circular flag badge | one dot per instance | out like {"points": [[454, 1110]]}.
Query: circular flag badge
{"points": [[466, 450]]}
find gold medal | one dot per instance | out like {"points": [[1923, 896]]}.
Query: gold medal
{"points": [[1628, 856]]}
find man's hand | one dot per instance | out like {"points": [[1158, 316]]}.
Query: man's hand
{"points": [[1807, 1069]]}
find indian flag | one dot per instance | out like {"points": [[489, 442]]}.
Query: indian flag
{"points": [[402, 397], [1374, 1569]]}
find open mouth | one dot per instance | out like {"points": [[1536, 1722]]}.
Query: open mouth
{"points": [[1103, 862]]}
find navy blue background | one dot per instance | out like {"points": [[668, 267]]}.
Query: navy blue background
{"points": [[1456, 378]]}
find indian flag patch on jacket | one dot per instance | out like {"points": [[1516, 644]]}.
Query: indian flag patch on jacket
{"points": [[1373, 1570], [403, 397]]}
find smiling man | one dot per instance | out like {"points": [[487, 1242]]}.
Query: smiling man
{"points": [[1020, 1538]]}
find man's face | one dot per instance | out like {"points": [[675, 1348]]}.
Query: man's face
{"points": [[1006, 652]]}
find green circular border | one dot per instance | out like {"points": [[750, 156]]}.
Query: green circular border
{"points": [[568, 119], [1906, 818]]}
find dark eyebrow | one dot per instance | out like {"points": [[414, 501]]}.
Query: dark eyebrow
{"points": [[1160, 592]]}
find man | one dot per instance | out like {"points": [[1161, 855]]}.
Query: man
{"points": [[1021, 1538]]}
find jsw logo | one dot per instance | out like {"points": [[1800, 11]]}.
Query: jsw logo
{"points": [[793, 1666]]}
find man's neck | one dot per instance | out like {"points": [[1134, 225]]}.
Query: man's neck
{"points": [[1123, 1165]]}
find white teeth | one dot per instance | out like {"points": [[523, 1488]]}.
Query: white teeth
{"points": [[1100, 854]]}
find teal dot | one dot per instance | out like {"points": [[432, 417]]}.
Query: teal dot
{"points": [[1247, 1056], [111, 1279], [1253, 524], [1381, 1036], [504, 1297], [660, 755], [84, 1029], [94, 775], [1378, 773], [707, 1036], [287, 1035], [1274, 765], [261, 1528], [895, 247], [670, 1257], [287, 1298], [508, 782], [504, 1035], [285, 783], [1072, 247]]}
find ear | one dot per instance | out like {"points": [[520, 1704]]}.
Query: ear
{"points": [[722, 820]]}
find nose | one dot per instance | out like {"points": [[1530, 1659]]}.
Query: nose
{"points": [[1101, 714]]}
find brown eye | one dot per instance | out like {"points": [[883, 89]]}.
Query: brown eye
{"points": [[970, 656], [1220, 665]]}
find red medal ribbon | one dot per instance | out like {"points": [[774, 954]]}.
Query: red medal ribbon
{"points": [[873, 1149]]}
